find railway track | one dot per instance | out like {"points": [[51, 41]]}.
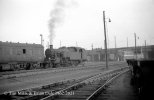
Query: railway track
{"points": [[52, 90], [87, 89], [41, 91], [14, 74]]}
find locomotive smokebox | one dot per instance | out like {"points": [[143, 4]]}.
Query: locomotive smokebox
{"points": [[51, 47]]}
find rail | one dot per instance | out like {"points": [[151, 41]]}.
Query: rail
{"points": [[82, 83]]}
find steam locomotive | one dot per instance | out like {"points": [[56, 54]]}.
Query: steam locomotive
{"points": [[64, 56], [18, 56]]}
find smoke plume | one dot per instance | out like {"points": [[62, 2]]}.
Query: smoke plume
{"points": [[57, 16]]}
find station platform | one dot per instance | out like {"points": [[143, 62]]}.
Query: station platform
{"points": [[120, 89]]}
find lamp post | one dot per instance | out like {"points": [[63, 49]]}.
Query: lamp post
{"points": [[106, 57], [127, 42], [145, 49], [135, 45], [41, 39]]}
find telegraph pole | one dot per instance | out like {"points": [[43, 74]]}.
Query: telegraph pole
{"points": [[115, 42], [135, 46], [115, 48], [145, 44], [105, 40]]}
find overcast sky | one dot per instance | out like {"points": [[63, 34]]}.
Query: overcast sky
{"points": [[77, 22]]}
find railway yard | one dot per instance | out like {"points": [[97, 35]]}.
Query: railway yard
{"points": [[77, 58], [29, 73], [78, 83]]}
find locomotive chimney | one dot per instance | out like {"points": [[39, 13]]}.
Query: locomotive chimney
{"points": [[51, 47]]}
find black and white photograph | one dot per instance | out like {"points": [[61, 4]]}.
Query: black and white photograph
{"points": [[76, 49]]}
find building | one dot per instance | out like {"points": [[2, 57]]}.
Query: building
{"points": [[121, 54]]}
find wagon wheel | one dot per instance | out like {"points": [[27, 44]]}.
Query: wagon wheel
{"points": [[49, 65], [46, 65], [58, 65], [28, 65], [34, 66], [16, 67]]}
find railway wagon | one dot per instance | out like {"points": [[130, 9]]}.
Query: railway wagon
{"points": [[15, 56], [142, 76]]}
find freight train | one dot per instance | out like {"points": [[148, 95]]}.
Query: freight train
{"points": [[18, 56]]}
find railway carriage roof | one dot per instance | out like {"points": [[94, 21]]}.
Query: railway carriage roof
{"points": [[20, 44]]}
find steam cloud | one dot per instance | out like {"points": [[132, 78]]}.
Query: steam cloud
{"points": [[57, 16]]}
